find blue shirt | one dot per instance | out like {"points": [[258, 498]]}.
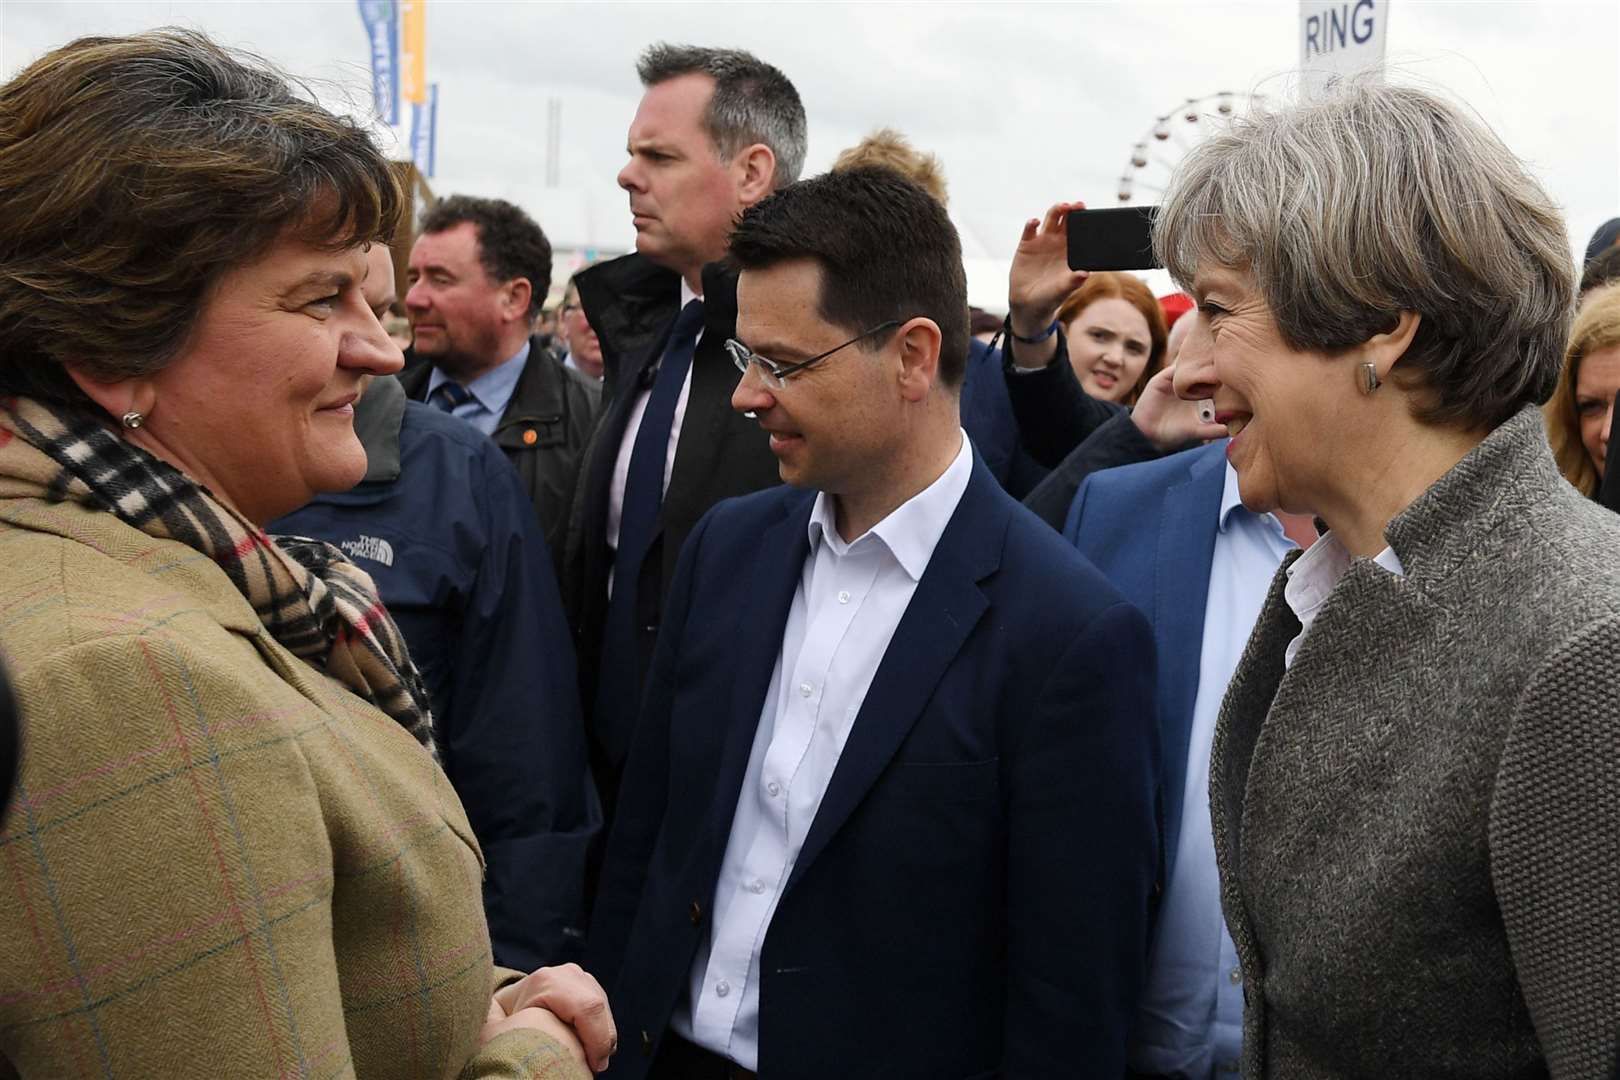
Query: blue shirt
{"points": [[490, 392], [1190, 1020]]}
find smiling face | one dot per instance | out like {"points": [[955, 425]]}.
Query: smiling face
{"points": [[1288, 435], [1596, 383], [830, 426], [683, 197], [1109, 345], [259, 405]]}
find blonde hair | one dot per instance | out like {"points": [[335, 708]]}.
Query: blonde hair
{"points": [[886, 148], [1597, 327]]}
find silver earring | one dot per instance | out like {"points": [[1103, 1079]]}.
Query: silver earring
{"points": [[1367, 378], [132, 419]]}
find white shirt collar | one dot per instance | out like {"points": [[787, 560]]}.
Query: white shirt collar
{"points": [[912, 530], [1312, 576], [688, 294]]}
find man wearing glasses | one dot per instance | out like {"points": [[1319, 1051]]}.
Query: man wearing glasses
{"points": [[890, 810]]}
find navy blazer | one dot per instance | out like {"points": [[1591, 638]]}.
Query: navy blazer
{"points": [[972, 897], [1165, 573]]}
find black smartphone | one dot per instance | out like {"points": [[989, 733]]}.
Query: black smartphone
{"points": [[1119, 238]]}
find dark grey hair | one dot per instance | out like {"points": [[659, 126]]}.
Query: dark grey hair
{"points": [[1375, 199], [753, 102]]}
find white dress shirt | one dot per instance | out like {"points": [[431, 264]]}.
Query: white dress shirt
{"points": [[1312, 578], [849, 602], [621, 464]]}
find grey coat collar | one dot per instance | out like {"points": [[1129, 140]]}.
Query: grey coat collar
{"points": [[1438, 530]]}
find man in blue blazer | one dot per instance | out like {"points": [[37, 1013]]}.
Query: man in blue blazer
{"points": [[1174, 537], [889, 811]]}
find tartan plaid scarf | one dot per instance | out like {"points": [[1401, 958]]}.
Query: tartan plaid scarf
{"points": [[307, 594]]}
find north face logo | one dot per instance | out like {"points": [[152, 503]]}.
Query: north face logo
{"points": [[369, 547]]}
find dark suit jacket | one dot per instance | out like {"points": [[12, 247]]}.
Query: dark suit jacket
{"points": [[632, 305], [987, 417], [972, 896], [1150, 528], [1053, 411], [1117, 442]]}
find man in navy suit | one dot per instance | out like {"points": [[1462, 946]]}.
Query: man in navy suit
{"points": [[1175, 538], [889, 811]]}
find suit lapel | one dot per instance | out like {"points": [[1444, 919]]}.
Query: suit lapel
{"points": [[777, 568], [1243, 712], [1188, 523], [942, 613]]}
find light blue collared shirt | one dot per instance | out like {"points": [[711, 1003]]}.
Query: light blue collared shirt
{"points": [[1190, 1019], [491, 391]]}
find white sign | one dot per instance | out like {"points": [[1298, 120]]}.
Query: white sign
{"points": [[1340, 37]]}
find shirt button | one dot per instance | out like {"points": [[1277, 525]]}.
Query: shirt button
{"points": [[774, 788], [1237, 975], [722, 988], [756, 886], [805, 689], [843, 597]]}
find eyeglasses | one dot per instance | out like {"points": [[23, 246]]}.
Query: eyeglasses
{"points": [[774, 375]]}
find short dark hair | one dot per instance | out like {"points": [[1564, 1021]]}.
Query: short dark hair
{"points": [[1604, 269], [511, 244], [753, 101], [886, 248], [135, 173]]}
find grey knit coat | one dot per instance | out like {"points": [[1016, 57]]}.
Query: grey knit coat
{"points": [[1418, 825]]}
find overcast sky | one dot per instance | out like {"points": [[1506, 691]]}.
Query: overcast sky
{"points": [[1024, 103]]}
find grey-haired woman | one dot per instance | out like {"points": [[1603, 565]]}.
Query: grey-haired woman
{"points": [[1416, 784]]}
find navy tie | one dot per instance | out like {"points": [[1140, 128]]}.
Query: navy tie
{"points": [[619, 689], [448, 396]]}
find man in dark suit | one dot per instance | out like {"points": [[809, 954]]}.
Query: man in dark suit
{"points": [[478, 273], [1175, 538], [890, 807], [716, 131]]}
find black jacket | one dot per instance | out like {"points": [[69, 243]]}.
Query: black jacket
{"points": [[632, 304], [543, 432], [1068, 431]]}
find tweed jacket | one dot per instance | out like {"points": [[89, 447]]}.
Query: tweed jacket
{"points": [[1418, 825], [219, 862]]}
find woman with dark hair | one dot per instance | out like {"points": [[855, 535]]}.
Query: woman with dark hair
{"points": [[232, 851], [1415, 784]]}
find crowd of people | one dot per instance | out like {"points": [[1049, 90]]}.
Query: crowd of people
{"points": [[767, 666]]}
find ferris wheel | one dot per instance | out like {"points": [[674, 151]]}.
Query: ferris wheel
{"points": [[1160, 149]]}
